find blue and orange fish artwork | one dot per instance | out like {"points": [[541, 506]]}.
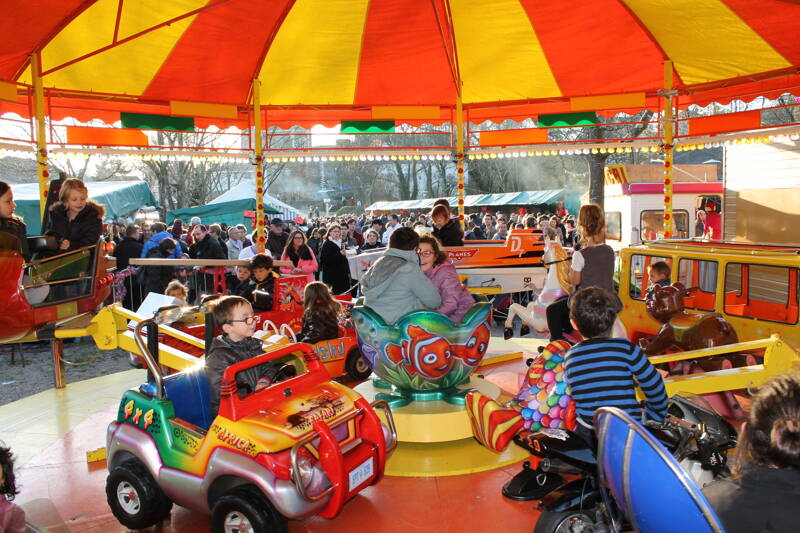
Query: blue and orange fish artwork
{"points": [[425, 353], [473, 351]]}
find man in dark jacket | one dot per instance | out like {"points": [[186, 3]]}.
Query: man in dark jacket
{"points": [[276, 240], [129, 247], [205, 246]]}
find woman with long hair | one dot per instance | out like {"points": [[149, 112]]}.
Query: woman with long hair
{"points": [[321, 315], [763, 493], [11, 223], [333, 261], [456, 299], [299, 253], [592, 266]]}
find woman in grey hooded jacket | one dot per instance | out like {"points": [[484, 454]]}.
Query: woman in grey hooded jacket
{"points": [[395, 285]]}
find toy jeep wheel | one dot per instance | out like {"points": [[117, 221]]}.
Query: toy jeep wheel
{"points": [[245, 510], [356, 366], [134, 496]]}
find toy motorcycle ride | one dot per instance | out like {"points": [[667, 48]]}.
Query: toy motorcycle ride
{"points": [[302, 446], [696, 435]]}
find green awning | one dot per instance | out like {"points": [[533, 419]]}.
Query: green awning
{"points": [[570, 197], [230, 213]]}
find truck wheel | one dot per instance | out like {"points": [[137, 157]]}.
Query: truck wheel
{"points": [[134, 496], [563, 522], [245, 510], [356, 366]]}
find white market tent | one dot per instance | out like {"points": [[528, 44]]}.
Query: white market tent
{"points": [[247, 189]]}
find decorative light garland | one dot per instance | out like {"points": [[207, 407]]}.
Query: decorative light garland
{"points": [[783, 134]]}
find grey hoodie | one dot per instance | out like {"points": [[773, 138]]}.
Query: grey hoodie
{"points": [[395, 285]]}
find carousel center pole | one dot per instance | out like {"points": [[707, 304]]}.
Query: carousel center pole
{"points": [[669, 130], [460, 158], [41, 132], [259, 162], [56, 345]]}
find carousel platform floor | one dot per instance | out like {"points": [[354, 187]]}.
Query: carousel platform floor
{"points": [[52, 432]]}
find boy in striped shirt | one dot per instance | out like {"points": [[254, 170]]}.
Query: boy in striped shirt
{"points": [[604, 372]]}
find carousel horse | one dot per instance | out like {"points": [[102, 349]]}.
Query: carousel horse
{"points": [[543, 403], [556, 285]]}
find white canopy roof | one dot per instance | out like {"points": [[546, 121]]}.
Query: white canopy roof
{"points": [[247, 189]]}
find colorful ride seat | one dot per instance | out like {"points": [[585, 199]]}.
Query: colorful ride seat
{"points": [[652, 489], [424, 350], [189, 393]]}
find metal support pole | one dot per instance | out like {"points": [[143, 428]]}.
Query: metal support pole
{"points": [[460, 158], [151, 329], [57, 349], [41, 135], [669, 129], [259, 162]]}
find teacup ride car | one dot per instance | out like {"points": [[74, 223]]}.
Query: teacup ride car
{"points": [[424, 355], [302, 446], [424, 366]]}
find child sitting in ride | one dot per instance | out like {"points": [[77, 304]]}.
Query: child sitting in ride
{"points": [[234, 315], [260, 289], [395, 285], [177, 290], [321, 315], [456, 299], [11, 223], [604, 372], [74, 220], [762, 494], [240, 284], [659, 273]]}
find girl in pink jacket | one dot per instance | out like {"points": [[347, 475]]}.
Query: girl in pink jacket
{"points": [[456, 299], [301, 256]]}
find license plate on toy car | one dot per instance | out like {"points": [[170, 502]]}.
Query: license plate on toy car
{"points": [[361, 473]]}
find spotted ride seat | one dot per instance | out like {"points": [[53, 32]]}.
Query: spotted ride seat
{"points": [[189, 393]]}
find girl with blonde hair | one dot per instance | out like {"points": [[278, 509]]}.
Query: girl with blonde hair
{"points": [[75, 221]]}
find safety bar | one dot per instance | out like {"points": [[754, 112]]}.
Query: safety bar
{"points": [[294, 471], [148, 357]]}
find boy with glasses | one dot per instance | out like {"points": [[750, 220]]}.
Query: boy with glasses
{"points": [[234, 315]]}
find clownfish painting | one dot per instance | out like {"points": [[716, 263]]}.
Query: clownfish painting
{"points": [[475, 348], [426, 354]]}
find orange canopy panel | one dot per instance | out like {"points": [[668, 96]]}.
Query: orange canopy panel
{"points": [[327, 61]]}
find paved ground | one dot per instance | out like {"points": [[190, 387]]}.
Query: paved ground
{"points": [[36, 375]]}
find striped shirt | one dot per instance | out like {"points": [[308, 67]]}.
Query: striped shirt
{"points": [[601, 373]]}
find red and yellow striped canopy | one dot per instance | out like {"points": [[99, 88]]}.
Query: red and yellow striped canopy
{"points": [[326, 60]]}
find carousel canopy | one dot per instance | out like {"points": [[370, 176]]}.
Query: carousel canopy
{"points": [[391, 60]]}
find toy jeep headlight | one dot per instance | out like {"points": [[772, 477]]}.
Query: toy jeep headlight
{"points": [[306, 471]]}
